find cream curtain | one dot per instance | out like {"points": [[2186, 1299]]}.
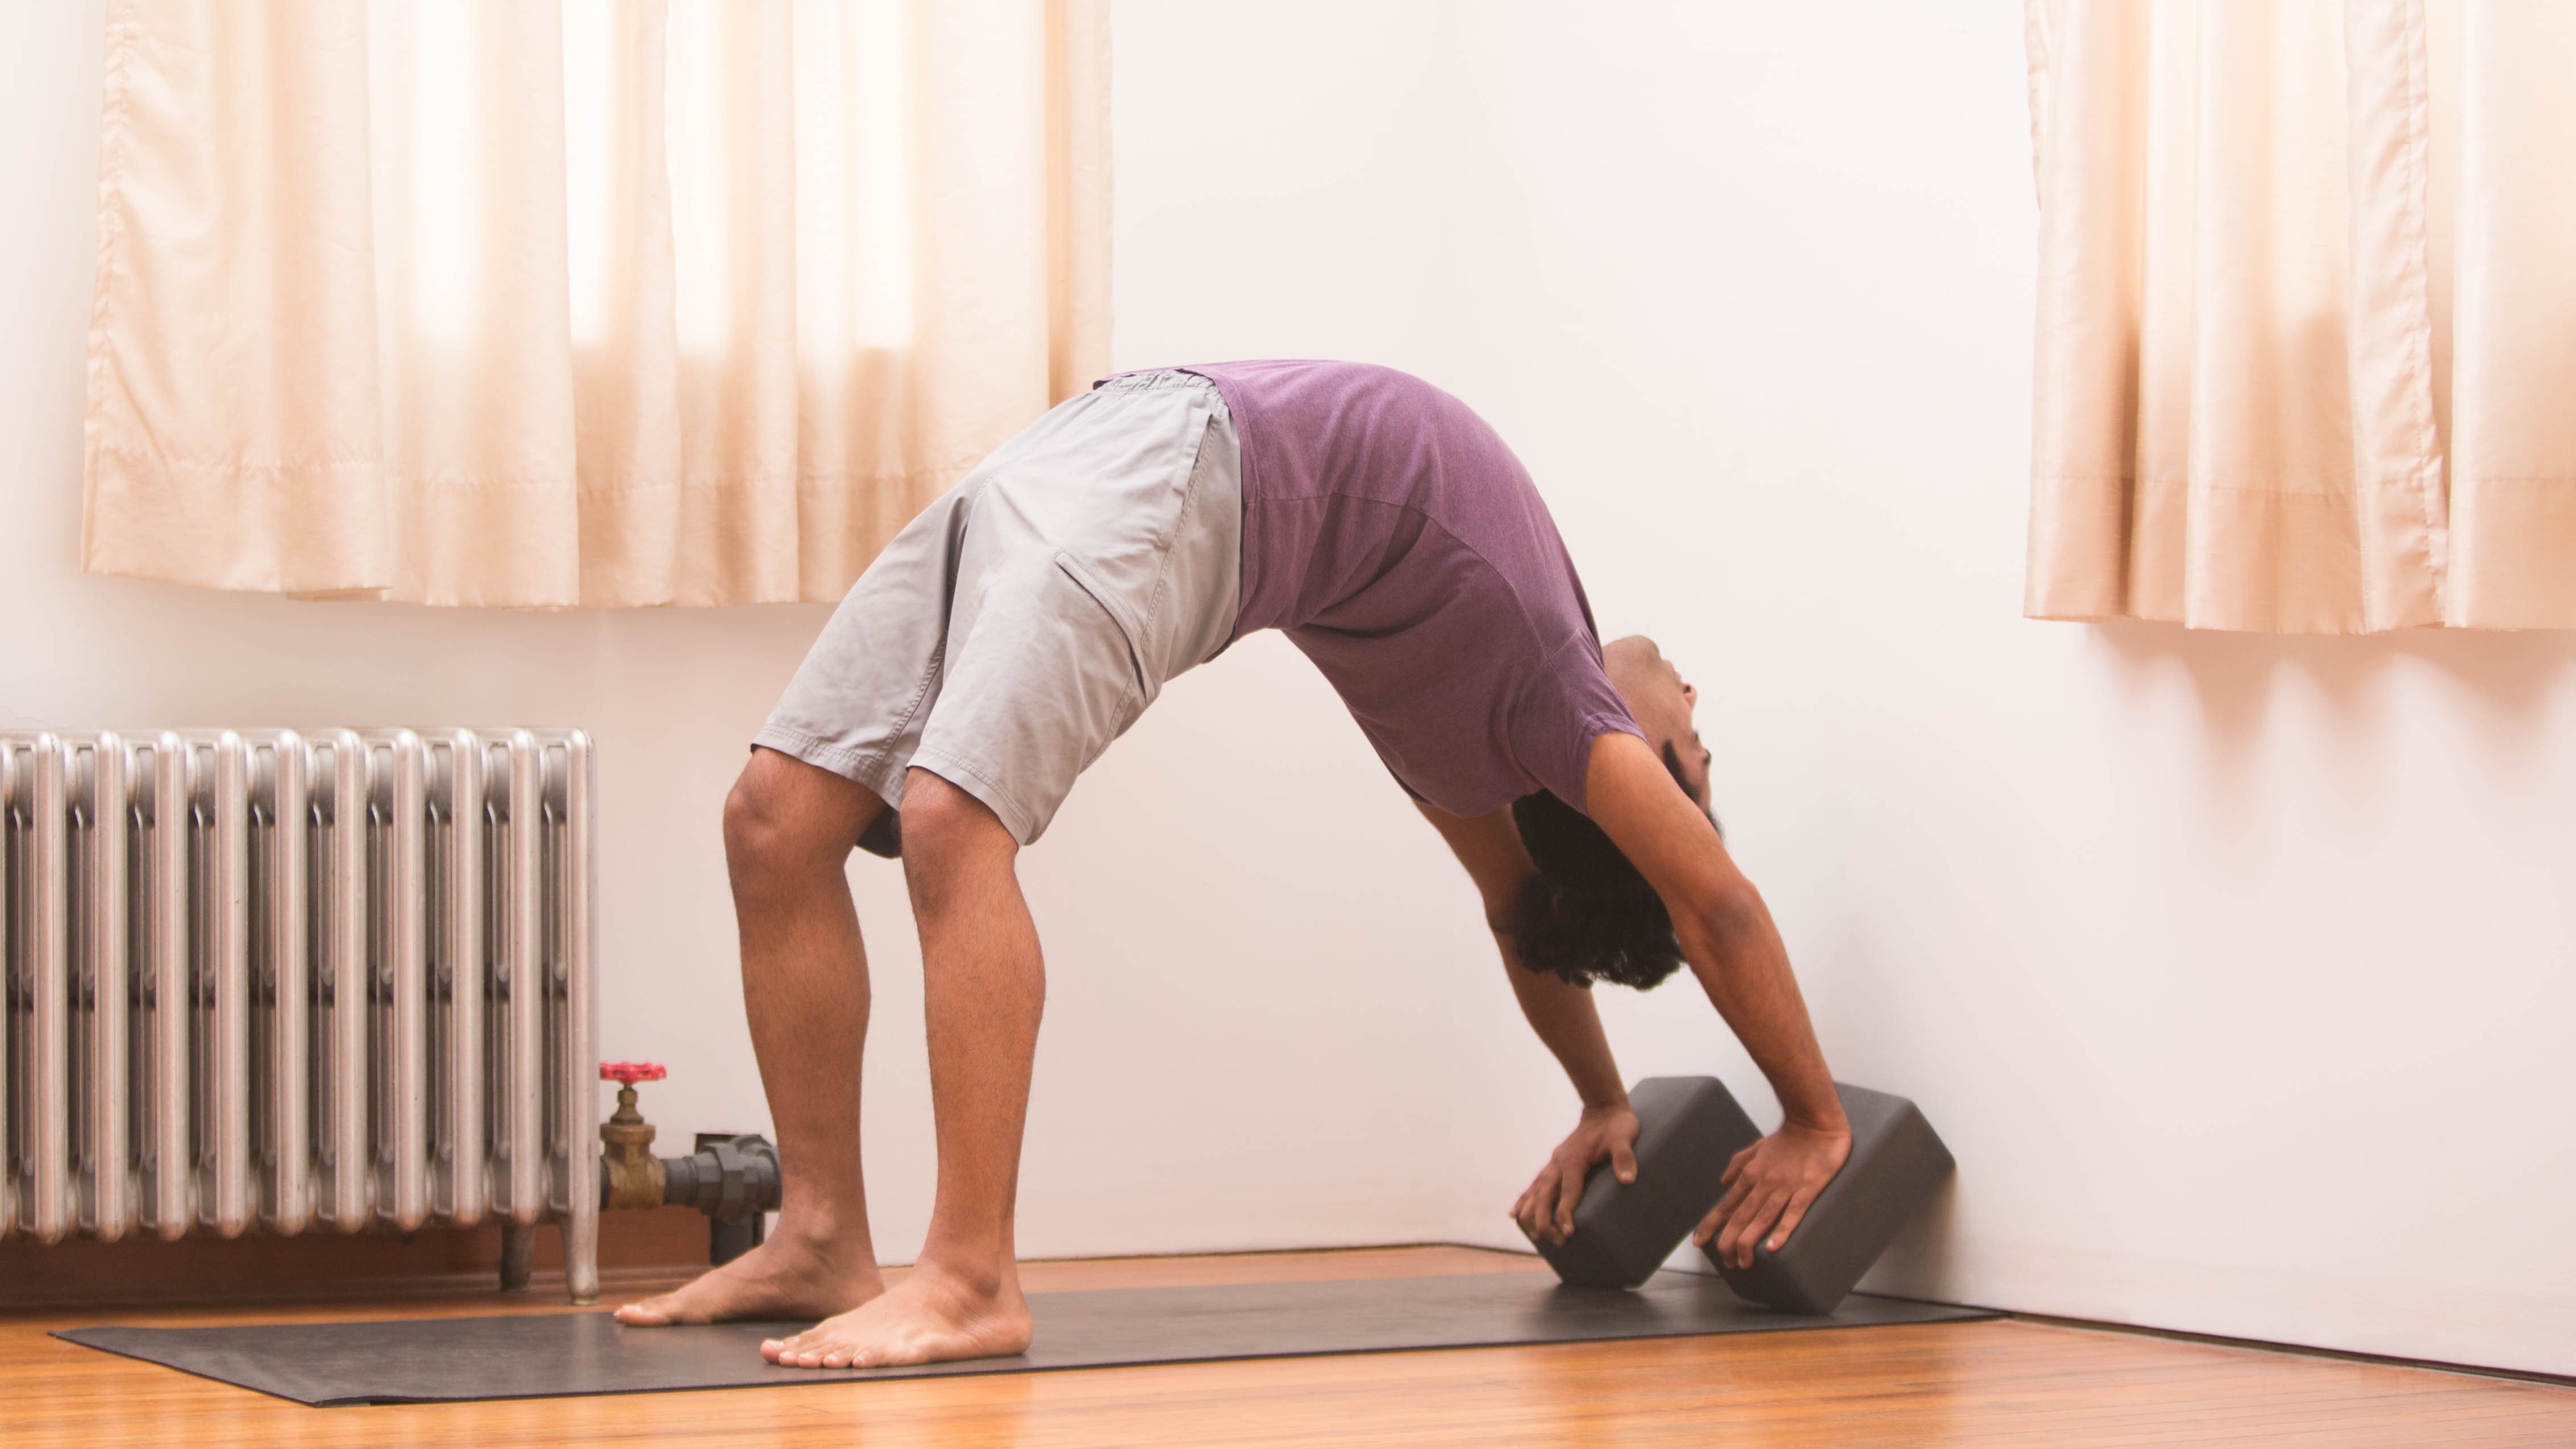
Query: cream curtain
{"points": [[579, 302], [2306, 354]]}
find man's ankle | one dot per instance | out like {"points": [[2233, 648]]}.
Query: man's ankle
{"points": [[975, 1276], [819, 1235]]}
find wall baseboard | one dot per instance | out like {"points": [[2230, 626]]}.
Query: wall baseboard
{"points": [[84, 1273], [2471, 1328]]}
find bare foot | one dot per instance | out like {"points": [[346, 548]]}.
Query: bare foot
{"points": [[782, 1278], [930, 1317]]}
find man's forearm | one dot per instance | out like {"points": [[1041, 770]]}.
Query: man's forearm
{"points": [[1737, 954], [1563, 1016], [1489, 846]]}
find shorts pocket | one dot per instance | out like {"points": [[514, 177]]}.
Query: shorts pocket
{"points": [[1130, 629]]}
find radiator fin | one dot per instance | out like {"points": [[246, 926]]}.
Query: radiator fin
{"points": [[281, 980]]}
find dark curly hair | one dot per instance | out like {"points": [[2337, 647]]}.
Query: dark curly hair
{"points": [[1588, 915]]}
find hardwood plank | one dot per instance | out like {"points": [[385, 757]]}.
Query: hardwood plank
{"points": [[2001, 1383]]}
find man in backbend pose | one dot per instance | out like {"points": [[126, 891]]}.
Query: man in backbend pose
{"points": [[1023, 622]]}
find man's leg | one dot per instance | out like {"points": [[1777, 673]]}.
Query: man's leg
{"points": [[789, 829], [983, 988]]}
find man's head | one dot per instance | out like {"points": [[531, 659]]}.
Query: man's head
{"points": [[1661, 702], [1588, 915]]}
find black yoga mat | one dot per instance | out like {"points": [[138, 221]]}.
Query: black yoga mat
{"points": [[430, 1360]]}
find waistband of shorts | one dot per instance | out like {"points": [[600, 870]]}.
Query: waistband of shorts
{"points": [[1155, 377]]}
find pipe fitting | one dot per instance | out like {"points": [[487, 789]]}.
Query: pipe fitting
{"points": [[733, 1179], [630, 1176], [727, 1178]]}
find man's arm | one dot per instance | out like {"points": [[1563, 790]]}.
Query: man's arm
{"points": [[1562, 1015], [1727, 936]]}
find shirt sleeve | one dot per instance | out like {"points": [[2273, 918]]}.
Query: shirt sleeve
{"points": [[1567, 705]]}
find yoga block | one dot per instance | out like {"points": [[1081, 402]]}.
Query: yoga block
{"points": [[1896, 1161], [1687, 1129]]}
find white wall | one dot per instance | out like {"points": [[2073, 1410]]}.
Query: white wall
{"points": [[671, 694], [2236, 970], [1247, 1036], [2229, 967]]}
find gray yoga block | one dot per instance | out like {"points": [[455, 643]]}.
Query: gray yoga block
{"points": [[1896, 1162], [1687, 1128]]}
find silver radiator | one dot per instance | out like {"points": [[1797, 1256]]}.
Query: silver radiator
{"points": [[262, 980]]}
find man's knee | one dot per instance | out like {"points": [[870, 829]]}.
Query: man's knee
{"points": [[944, 824], [784, 817]]}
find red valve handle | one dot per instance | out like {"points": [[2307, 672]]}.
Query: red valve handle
{"points": [[629, 1073]]}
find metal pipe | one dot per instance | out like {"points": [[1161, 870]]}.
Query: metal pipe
{"points": [[733, 1179]]}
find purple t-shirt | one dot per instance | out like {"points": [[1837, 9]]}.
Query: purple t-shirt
{"points": [[1392, 536]]}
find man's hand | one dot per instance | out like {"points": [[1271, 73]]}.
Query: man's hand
{"points": [[1771, 1182], [1546, 1211]]}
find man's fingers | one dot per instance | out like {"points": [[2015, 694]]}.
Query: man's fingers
{"points": [[1790, 1216], [1529, 1211], [1570, 1190], [1767, 1196], [1730, 1227], [1733, 1239], [1538, 1207], [1546, 1211], [1736, 1188], [1751, 1224]]}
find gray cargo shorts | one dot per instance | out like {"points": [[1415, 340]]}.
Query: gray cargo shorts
{"points": [[1025, 619]]}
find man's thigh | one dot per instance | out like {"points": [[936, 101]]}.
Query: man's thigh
{"points": [[1039, 680], [857, 704]]}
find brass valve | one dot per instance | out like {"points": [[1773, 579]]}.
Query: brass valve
{"points": [[633, 1176]]}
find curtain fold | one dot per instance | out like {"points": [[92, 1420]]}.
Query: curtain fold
{"points": [[2247, 347], [596, 303], [2513, 406]]}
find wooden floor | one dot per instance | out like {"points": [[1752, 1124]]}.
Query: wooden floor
{"points": [[1989, 1383]]}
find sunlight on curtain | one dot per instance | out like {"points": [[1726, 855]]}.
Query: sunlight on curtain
{"points": [[2307, 276], [599, 302]]}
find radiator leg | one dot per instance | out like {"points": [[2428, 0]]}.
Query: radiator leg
{"points": [[581, 1256], [518, 1255]]}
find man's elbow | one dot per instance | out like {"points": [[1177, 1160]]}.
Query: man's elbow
{"points": [[1719, 924]]}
